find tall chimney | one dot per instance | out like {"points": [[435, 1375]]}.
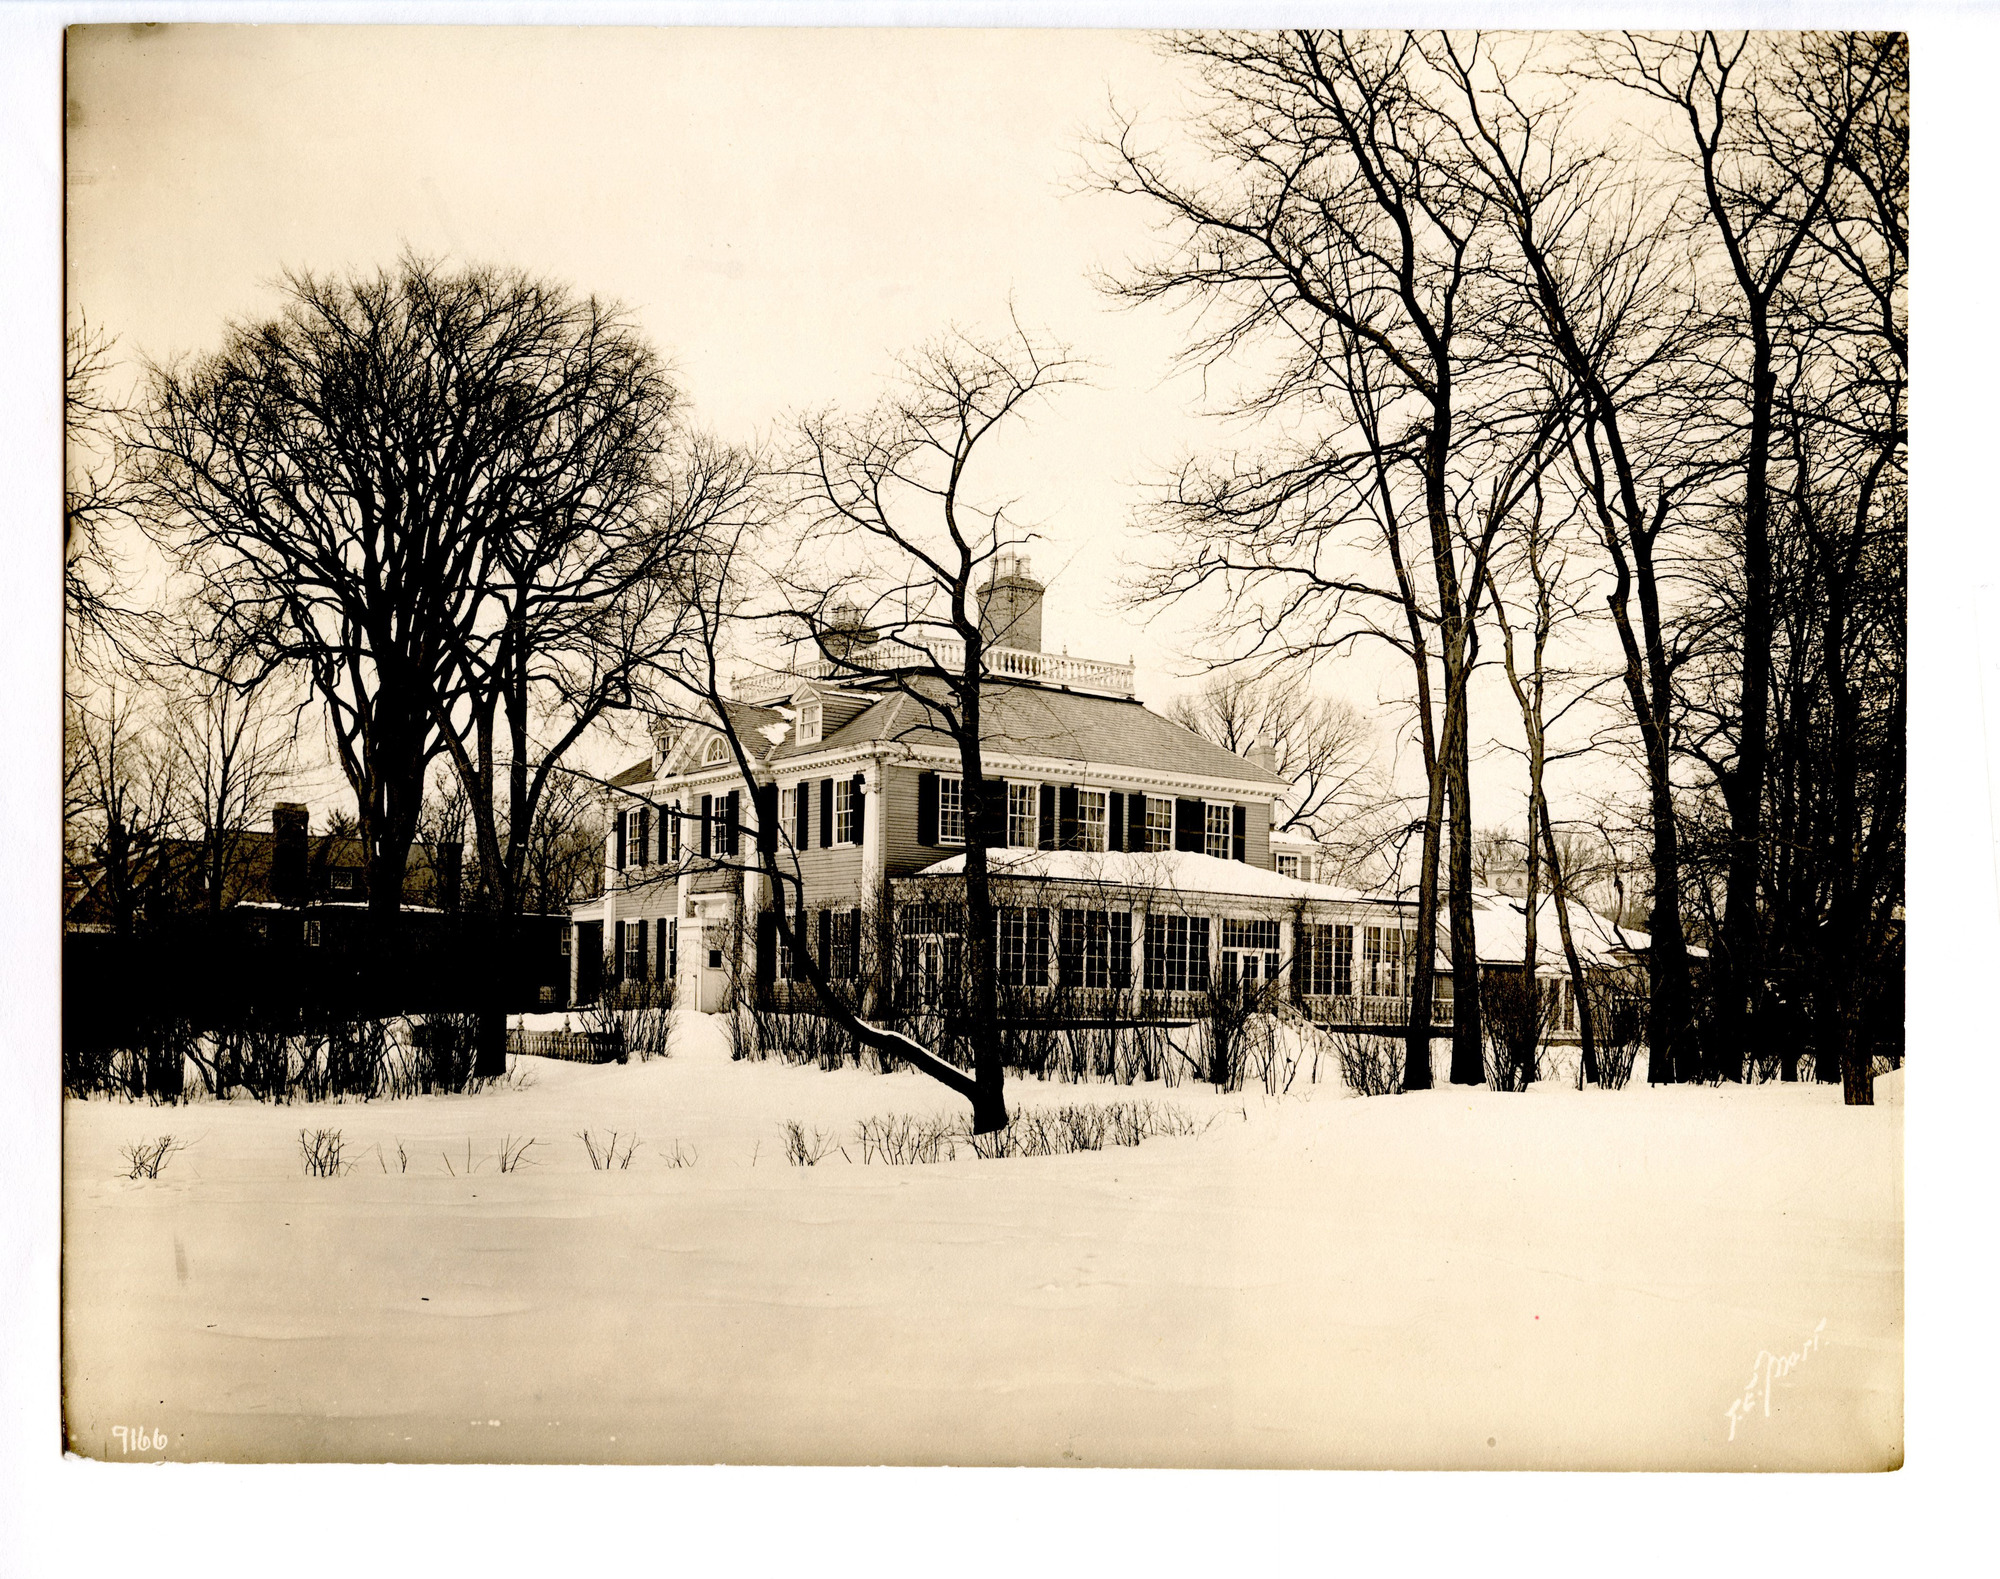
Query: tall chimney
{"points": [[1010, 605], [288, 853]]}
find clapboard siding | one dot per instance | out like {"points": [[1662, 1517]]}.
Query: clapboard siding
{"points": [[899, 826]]}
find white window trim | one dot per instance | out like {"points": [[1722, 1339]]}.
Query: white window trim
{"points": [[1032, 789], [957, 783], [843, 811], [1101, 825], [1208, 810], [808, 729], [717, 750]]}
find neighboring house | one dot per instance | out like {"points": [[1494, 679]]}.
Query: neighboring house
{"points": [[284, 865], [1500, 931], [1157, 839]]}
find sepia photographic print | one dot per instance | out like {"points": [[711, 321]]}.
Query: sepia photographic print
{"points": [[984, 747]]}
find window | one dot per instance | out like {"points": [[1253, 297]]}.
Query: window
{"points": [[788, 818], [1382, 962], [674, 839], [635, 951], [1093, 813], [951, 809], [1177, 953], [343, 879], [1218, 824], [566, 942], [1249, 950], [1023, 946], [1096, 948], [635, 838], [1159, 823], [843, 811], [718, 751], [808, 730], [715, 959], [312, 934], [1023, 815], [1288, 866]]}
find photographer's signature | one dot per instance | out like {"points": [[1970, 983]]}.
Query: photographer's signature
{"points": [[1766, 1372]]}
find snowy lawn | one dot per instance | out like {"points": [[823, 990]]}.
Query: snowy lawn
{"points": [[1455, 1278]]}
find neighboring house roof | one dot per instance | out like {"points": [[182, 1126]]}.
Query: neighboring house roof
{"points": [[1500, 928], [638, 773], [1037, 721], [1177, 871]]}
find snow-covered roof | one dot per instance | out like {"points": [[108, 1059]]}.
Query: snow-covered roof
{"points": [[1177, 870], [1500, 924]]}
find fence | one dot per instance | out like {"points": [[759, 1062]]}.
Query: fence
{"points": [[577, 1047]]}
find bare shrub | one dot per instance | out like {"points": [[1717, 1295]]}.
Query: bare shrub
{"points": [[681, 1156], [513, 1153], [648, 1017], [605, 1154], [402, 1158], [1617, 1012], [901, 1139], [146, 1158], [442, 1055], [803, 1150], [1371, 1064], [1518, 1017], [321, 1150], [604, 1024]]}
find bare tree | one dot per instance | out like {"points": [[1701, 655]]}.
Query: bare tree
{"points": [[232, 754], [1332, 234], [895, 494], [98, 501], [119, 807], [1320, 745]]}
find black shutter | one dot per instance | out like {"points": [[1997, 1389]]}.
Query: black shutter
{"points": [[860, 806], [645, 850], [826, 814], [707, 822], [619, 834], [617, 951], [730, 823], [1114, 832], [767, 819], [639, 950], [802, 814], [1066, 799], [666, 822], [767, 948], [660, 950], [1135, 822], [675, 852], [1047, 820], [927, 808], [854, 945], [673, 947], [1239, 834], [1188, 829]]}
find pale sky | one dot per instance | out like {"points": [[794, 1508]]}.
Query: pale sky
{"points": [[783, 211]]}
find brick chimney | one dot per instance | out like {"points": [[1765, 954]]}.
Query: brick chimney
{"points": [[1010, 605], [289, 823], [1264, 754]]}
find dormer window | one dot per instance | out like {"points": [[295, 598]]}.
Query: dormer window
{"points": [[718, 751], [809, 715]]}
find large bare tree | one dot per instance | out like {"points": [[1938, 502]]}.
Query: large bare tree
{"points": [[1342, 262], [1321, 745]]}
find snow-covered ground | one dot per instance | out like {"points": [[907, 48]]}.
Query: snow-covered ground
{"points": [[1455, 1278]]}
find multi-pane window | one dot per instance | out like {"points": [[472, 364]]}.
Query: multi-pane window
{"points": [[1217, 826], [1250, 950], [718, 751], [1288, 866], [1093, 819], [1382, 962], [843, 811], [635, 838], [1023, 814], [1159, 823], [1096, 948], [674, 837], [635, 951], [808, 731], [1022, 944], [844, 945], [1177, 953], [788, 818], [951, 809]]}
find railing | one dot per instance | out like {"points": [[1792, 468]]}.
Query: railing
{"points": [[1048, 668], [1357, 1009]]}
